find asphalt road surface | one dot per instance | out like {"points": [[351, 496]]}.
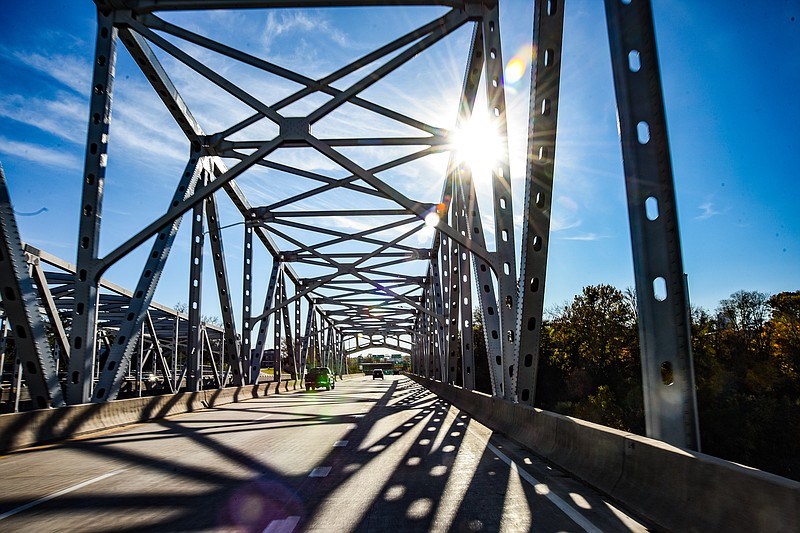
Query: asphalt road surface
{"points": [[371, 455]]}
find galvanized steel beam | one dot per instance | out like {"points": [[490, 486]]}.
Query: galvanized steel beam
{"points": [[663, 308], [542, 121], [84, 320]]}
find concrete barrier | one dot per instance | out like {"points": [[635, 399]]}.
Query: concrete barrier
{"points": [[676, 489], [21, 430]]}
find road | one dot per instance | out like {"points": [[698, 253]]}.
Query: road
{"points": [[371, 455]]}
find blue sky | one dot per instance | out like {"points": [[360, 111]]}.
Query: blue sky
{"points": [[730, 74]]}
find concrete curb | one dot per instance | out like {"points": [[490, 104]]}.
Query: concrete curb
{"points": [[29, 428], [677, 489]]}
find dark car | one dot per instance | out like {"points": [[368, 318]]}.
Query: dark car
{"points": [[320, 377], [377, 373]]}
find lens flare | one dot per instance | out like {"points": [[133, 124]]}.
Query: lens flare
{"points": [[478, 145], [432, 219], [515, 70], [517, 66]]}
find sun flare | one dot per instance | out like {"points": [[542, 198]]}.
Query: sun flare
{"points": [[478, 145]]}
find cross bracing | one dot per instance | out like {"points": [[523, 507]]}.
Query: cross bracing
{"points": [[348, 177]]}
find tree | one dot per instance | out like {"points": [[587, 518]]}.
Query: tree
{"points": [[591, 347], [483, 381], [784, 333], [744, 315]]}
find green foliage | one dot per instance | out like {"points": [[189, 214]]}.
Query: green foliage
{"points": [[590, 360], [748, 391]]}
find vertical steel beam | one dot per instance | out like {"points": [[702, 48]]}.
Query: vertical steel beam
{"points": [[306, 339], [276, 331], [176, 344], [543, 119], [439, 288], [453, 307], [255, 365], [297, 333], [287, 327], [486, 292], [441, 292], [230, 344], [664, 336], [501, 188], [87, 277], [22, 309], [247, 303], [345, 369], [465, 299], [194, 344]]}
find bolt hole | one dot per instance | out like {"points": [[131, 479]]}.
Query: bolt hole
{"points": [[660, 289], [651, 208], [667, 375], [643, 132], [634, 61]]}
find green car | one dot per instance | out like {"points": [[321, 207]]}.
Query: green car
{"points": [[320, 377]]}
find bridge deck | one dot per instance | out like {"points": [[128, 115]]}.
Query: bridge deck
{"points": [[372, 455]]}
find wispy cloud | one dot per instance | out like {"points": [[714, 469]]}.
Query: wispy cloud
{"points": [[707, 211], [73, 71], [40, 154], [280, 23], [62, 116], [585, 237]]}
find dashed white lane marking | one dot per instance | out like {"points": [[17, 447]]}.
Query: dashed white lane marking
{"points": [[263, 417], [54, 495], [286, 525], [340, 443], [543, 490], [320, 471]]}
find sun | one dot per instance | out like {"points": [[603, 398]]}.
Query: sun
{"points": [[477, 144]]}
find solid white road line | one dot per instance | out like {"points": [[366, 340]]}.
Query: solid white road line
{"points": [[340, 443], [320, 471], [49, 497], [263, 417], [286, 525], [543, 490]]}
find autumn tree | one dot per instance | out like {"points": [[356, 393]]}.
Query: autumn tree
{"points": [[592, 348], [784, 334]]}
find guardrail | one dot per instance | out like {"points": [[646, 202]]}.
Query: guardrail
{"points": [[677, 489]]}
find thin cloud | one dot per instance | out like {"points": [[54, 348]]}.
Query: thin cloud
{"points": [[282, 23], [40, 154], [558, 223], [52, 116], [585, 237], [708, 211], [72, 71]]}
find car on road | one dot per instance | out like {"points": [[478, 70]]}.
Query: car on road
{"points": [[320, 377], [377, 374]]}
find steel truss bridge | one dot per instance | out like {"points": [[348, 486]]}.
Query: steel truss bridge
{"points": [[351, 275]]}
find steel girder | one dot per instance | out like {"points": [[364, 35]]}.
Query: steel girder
{"points": [[84, 321], [543, 119], [661, 291]]}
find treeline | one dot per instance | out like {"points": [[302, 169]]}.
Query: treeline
{"points": [[746, 360]]}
